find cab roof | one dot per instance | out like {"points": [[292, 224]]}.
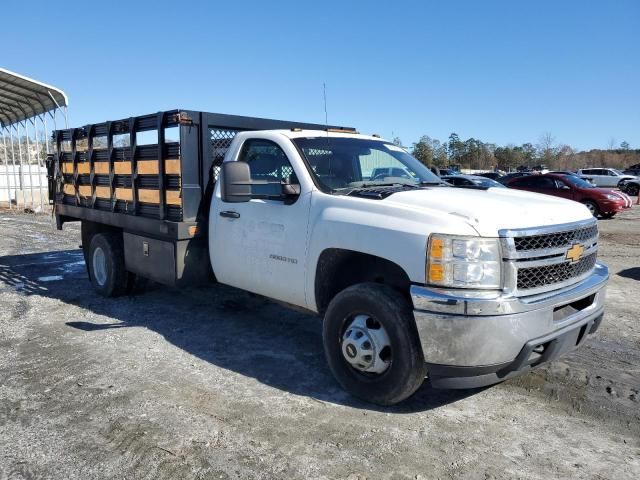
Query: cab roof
{"points": [[331, 133]]}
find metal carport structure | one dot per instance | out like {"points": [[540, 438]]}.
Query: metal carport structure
{"points": [[25, 105]]}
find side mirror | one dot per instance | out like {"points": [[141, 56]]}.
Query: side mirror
{"points": [[236, 182], [290, 189]]}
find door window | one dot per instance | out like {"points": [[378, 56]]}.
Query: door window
{"points": [[543, 183], [269, 166]]}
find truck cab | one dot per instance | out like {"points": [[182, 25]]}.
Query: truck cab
{"points": [[480, 276]]}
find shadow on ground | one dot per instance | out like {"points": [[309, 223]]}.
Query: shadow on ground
{"points": [[632, 273], [224, 326]]}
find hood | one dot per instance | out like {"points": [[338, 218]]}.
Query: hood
{"points": [[603, 191], [489, 211]]}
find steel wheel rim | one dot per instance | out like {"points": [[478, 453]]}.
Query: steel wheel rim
{"points": [[366, 346], [591, 207], [99, 261]]}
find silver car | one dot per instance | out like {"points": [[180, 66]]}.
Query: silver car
{"points": [[604, 177]]}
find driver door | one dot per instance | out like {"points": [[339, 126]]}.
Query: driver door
{"points": [[260, 244]]}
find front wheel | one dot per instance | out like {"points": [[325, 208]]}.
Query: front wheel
{"points": [[372, 344], [593, 208], [609, 215]]}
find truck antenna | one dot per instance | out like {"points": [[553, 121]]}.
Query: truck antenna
{"points": [[324, 93]]}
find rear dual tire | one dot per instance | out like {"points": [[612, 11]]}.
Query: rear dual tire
{"points": [[106, 266], [382, 307]]}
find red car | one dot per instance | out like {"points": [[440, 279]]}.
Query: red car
{"points": [[600, 201]]}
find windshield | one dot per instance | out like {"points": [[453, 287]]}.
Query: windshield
{"points": [[342, 164], [577, 181]]}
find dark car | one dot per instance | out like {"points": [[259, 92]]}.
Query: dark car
{"points": [[600, 201], [443, 172], [471, 181], [491, 175], [632, 171], [504, 179], [630, 187]]}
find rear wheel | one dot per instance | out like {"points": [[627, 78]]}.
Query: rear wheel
{"points": [[593, 208], [372, 345], [105, 262]]}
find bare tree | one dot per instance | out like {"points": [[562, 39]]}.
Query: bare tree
{"points": [[547, 149]]}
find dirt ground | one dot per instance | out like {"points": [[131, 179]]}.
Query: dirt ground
{"points": [[216, 383]]}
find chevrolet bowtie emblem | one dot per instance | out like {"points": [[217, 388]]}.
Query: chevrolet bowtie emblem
{"points": [[575, 252]]}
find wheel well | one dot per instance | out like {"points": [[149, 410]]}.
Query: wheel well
{"points": [[89, 229], [338, 269]]}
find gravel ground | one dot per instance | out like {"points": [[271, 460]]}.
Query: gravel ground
{"points": [[217, 383]]}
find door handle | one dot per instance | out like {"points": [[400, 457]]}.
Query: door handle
{"points": [[229, 214]]}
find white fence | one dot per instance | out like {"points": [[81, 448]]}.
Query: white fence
{"points": [[24, 186]]}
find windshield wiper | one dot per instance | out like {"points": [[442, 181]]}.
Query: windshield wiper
{"points": [[387, 184], [434, 183]]}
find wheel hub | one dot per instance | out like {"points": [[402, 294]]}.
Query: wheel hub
{"points": [[99, 266], [365, 345]]}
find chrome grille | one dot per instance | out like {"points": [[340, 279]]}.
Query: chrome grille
{"points": [[535, 277], [536, 260], [555, 240]]}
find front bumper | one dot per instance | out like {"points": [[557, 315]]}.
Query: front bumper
{"points": [[613, 205], [471, 339]]}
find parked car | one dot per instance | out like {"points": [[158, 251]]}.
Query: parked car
{"points": [[632, 171], [391, 172], [600, 201], [604, 177], [491, 175], [630, 187], [471, 181], [441, 172], [504, 179]]}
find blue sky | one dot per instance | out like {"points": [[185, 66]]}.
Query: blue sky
{"points": [[501, 71]]}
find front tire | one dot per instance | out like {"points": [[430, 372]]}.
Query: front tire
{"points": [[105, 261], [377, 315], [593, 208]]}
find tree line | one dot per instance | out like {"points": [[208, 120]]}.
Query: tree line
{"points": [[475, 154]]}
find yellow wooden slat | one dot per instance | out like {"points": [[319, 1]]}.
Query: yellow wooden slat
{"points": [[153, 196], [69, 190], [148, 167], [84, 168], [124, 194], [67, 168], [101, 168], [122, 168], [173, 197], [172, 167], [84, 190], [103, 192]]}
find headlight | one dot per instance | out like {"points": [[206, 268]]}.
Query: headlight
{"points": [[463, 262], [611, 196]]}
